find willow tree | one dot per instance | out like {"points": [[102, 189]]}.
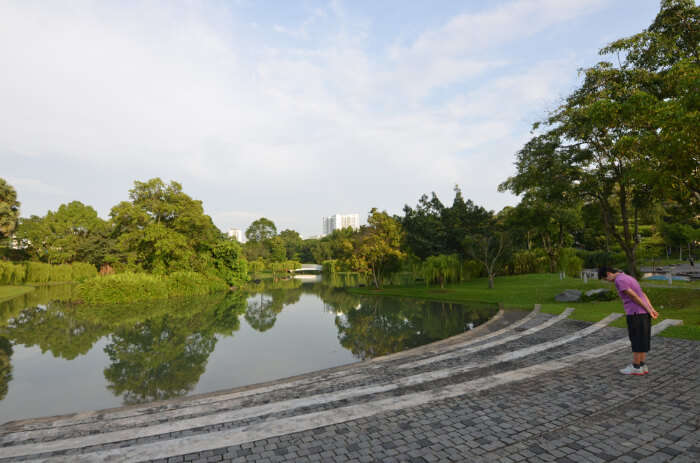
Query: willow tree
{"points": [[442, 268]]}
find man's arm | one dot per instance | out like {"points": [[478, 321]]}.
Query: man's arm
{"points": [[642, 303]]}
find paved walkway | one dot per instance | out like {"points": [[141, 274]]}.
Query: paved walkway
{"points": [[525, 387]]}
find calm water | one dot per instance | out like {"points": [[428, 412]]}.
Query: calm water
{"points": [[58, 358]]}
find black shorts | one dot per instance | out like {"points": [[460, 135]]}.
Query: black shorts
{"points": [[639, 330]]}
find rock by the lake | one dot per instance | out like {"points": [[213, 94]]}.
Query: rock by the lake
{"points": [[570, 295], [600, 294]]}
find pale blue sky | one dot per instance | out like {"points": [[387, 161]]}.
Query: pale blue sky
{"points": [[289, 110]]}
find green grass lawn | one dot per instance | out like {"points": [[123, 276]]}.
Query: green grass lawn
{"points": [[524, 291], [10, 292]]}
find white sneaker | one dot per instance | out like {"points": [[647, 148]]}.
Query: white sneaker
{"points": [[645, 369], [632, 370]]}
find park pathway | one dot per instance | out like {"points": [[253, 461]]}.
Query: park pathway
{"points": [[524, 387]]}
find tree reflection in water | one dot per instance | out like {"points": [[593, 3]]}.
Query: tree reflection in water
{"points": [[5, 366], [381, 325], [160, 349]]}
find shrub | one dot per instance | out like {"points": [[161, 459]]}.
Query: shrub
{"points": [[471, 269], [81, 271], [38, 272], [530, 261], [12, 274], [60, 273], [130, 287], [597, 259], [569, 262], [122, 288], [188, 283]]}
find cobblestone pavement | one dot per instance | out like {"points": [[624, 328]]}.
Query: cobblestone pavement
{"points": [[508, 392]]}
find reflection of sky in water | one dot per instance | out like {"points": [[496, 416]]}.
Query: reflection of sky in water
{"points": [[294, 332], [303, 339]]}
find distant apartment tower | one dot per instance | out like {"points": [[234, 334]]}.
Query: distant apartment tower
{"points": [[236, 233], [340, 221]]}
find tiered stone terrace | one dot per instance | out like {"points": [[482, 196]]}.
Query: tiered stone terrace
{"points": [[524, 387]]}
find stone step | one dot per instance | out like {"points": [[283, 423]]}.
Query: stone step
{"points": [[501, 340], [278, 426], [232, 410], [336, 375]]}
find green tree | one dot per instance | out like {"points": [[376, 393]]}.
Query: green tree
{"points": [[9, 209], [163, 230], [229, 262], [629, 133], [261, 230], [292, 243], [442, 269], [380, 245]]}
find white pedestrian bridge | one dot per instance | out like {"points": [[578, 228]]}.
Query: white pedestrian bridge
{"points": [[309, 268]]}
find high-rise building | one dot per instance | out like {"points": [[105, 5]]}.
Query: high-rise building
{"points": [[236, 233], [340, 221]]}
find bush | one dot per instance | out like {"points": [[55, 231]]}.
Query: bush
{"points": [[81, 271], [530, 261], [12, 274], [38, 272], [122, 288], [130, 287], [471, 269], [597, 259], [569, 262], [61, 273], [187, 283]]}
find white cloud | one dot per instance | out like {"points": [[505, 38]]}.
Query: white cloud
{"points": [[294, 133]]}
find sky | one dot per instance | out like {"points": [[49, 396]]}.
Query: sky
{"points": [[290, 110]]}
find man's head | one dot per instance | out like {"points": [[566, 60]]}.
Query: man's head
{"points": [[607, 273]]}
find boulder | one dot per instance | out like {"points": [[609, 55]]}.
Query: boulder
{"points": [[570, 295], [600, 294]]}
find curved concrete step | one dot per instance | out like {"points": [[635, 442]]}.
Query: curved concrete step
{"points": [[465, 350], [305, 421]]}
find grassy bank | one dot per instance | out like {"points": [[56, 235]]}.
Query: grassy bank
{"points": [[524, 291], [11, 292]]}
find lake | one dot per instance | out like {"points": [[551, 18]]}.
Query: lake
{"points": [[57, 357]]}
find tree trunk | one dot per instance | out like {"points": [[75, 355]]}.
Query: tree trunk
{"points": [[491, 278]]}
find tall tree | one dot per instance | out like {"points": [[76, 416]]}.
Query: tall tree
{"points": [[162, 229], [629, 133], [380, 245], [9, 209], [261, 230]]}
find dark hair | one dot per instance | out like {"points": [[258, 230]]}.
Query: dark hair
{"points": [[603, 272]]}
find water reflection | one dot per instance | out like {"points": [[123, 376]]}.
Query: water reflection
{"points": [[161, 349]]}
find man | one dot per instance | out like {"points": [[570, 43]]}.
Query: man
{"points": [[639, 313]]}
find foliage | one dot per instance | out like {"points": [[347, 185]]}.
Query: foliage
{"points": [[490, 249], [162, 230], [228, 262], [441, 269], [379, 246], [12, 274], [530, 261], [628, 135], [9, 209], [432, 228], [569, 262], [256, 266], [132, 287], [72, 233], [261, 230]]}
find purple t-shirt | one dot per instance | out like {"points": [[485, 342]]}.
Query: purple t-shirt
{"points": [[623, 282]]}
